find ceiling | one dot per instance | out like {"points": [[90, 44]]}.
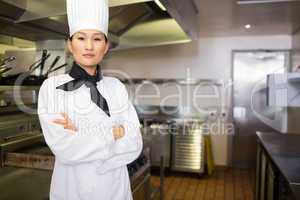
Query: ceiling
{"points": [[133, 23], [227, 18], [215, 18]]}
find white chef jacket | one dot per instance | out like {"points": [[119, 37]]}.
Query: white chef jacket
{"points": [[89, 163]]}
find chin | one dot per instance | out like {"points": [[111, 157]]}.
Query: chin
{"points": [[89, 64]]}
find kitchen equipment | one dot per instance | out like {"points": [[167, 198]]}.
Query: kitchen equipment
{"points": [[283, 94], [3, 70], [17, 131], [175, 136], [55, 69], [3, 66], [251, 112], [26, 78], [39, 63], [52, 65], [159, 137], [3, 103], [15, 99], [188, 147], [44, 54], [15, 124], [36, 63], [7, 60]]}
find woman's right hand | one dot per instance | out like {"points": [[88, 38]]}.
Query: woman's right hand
{"points": [[118, 132], [65, 122]]}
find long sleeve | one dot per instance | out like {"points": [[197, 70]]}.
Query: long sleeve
{"points": [[71, 147], [129, 147]]}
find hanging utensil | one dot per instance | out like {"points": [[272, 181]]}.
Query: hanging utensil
{"points": [[2, 67], [39, 63], [52, 65], [44, 54], [5, 70], [57, 68], [8, 60]]}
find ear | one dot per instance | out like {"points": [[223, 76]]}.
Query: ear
{"points": [[70, 46], [107, 47]]}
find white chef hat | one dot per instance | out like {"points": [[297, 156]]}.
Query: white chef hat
{"points": [[87, 14]]}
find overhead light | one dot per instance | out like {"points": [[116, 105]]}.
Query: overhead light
{"points": [[159, 4], [247, 26], [55, 18]]}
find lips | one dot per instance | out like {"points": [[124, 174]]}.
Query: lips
{"points": [[88, 55]]}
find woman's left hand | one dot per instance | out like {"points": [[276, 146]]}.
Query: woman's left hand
{"points": [[118, 132], [65, 122]]}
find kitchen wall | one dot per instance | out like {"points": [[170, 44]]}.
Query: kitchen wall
{"points": [[9, 43], [296, 41], [207, 58], [4, 48]]}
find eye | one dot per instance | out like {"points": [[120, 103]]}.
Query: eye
{"points": [[98, 39], [80, 38]]}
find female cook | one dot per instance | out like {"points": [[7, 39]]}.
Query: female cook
{"points": [[87, 120]]}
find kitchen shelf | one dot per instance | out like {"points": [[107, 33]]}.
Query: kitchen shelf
{"points": [[293, 77], [178, 81], [4, 88], [283, 90]]}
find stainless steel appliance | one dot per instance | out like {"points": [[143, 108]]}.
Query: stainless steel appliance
{"points": [[188, 147], [283, 94], [20, 131], [17, 129], [176, 137], [159, 138], [251, 112]]}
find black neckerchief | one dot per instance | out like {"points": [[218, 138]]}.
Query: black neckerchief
{"points": [[81, 77]]}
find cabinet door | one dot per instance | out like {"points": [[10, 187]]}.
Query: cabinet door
{"points": [[266, 179], [263, 175], [258, 172], [284, 192], [271, 183]]}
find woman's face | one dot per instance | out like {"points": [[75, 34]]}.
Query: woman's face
{"points": [[88, 47]]}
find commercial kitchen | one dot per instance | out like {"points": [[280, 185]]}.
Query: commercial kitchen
{"points": [[215, 84]]}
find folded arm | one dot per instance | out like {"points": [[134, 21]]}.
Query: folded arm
{"points": [[129, 147], [72, 146]]}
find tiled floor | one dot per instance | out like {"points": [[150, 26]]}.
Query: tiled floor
{"points": [[228, 184]]}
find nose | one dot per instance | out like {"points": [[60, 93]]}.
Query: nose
{"points": [[89, 44]]}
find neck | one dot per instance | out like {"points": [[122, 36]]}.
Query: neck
{"points": [[91, 70]]}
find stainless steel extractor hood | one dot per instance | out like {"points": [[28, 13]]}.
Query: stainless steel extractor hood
{"points": [[133, 23]]}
